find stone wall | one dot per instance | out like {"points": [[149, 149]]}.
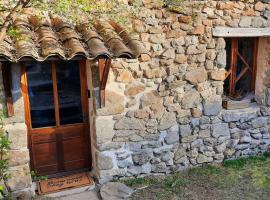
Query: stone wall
{"points": [[20, 182], [164, 112]]}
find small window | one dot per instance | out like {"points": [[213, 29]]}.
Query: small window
{"points": [[241, 68]]}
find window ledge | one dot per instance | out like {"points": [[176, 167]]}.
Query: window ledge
{"points": [[253, 108]]}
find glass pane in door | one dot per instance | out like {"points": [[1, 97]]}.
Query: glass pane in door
{"points": [[69, 92], [40, 91]]}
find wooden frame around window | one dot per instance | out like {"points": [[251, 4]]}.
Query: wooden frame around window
{"points": [[6, 74], [84, 91], [231, 73]]}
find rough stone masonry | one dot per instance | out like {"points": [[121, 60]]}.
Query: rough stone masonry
{"points": [[164, 112]]}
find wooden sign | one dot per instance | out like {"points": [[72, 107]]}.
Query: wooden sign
{"points": [[63, 183]]}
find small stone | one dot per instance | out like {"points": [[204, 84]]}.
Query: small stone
{"points": [[221, 129], [115, 191], [245, 22], [134, 88], [151, 98], [141, 114], [220, 148], [258, 22], [220, 44], [125, 76], [196, 76], [180, 153], [114, 104], [142, 157], [191, 99], [131, 102], [196, 112], [167, 156], [167, 121], [172, 137], [245, 139], [204, 133], [17, 134], [17, 157], [204, 159], [185, 130], [212, 106], [144, 58], [266, 14], [198, 30], [180, 58], [159, 168], [221, 59], [259, 122], [168, 54], [157, 38], [218, 75], [127, 123], [185, 19], [104, 162], [19, 178], [175, 34], [259, 6], [197, 143]]}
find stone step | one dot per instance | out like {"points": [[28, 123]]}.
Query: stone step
{"points": [[89, 195], [71, 192]]}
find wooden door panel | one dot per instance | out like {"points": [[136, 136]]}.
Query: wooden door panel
{"points": [[44, 156]]}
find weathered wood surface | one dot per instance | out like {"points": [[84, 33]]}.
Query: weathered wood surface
{"points": [[241, 32], [232, 105]]}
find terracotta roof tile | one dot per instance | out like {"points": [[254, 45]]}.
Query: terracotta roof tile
{"points": [[43, 38]]}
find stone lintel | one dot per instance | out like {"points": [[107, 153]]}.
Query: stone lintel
{"points": [[241, 32]]}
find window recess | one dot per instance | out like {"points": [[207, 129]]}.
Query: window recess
{"points": [[241, 69]]}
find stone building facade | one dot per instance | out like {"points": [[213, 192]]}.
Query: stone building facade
{"points": [[163, 112]]}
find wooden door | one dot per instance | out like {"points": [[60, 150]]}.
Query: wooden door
{"points": [[55, 95]]}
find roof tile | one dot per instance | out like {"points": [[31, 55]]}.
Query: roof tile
{"points": [[41, 38]]}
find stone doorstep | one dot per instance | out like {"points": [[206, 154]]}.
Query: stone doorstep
{"points": [[71, 191]]}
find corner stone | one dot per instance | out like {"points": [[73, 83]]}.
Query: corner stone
{"points": [[104, 162]]}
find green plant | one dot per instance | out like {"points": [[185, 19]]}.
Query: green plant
{"points": [[36, 177], [4, 147], [241, 162]]}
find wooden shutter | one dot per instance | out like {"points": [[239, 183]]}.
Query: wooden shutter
{"points": [[6, 73]]}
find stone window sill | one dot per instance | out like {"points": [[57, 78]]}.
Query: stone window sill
{"points": [[253, 108]]}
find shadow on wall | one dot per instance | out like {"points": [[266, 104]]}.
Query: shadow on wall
{"points": [[15, 91]]}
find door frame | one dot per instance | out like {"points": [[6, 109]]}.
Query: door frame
{"points": [[48, 130]]}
